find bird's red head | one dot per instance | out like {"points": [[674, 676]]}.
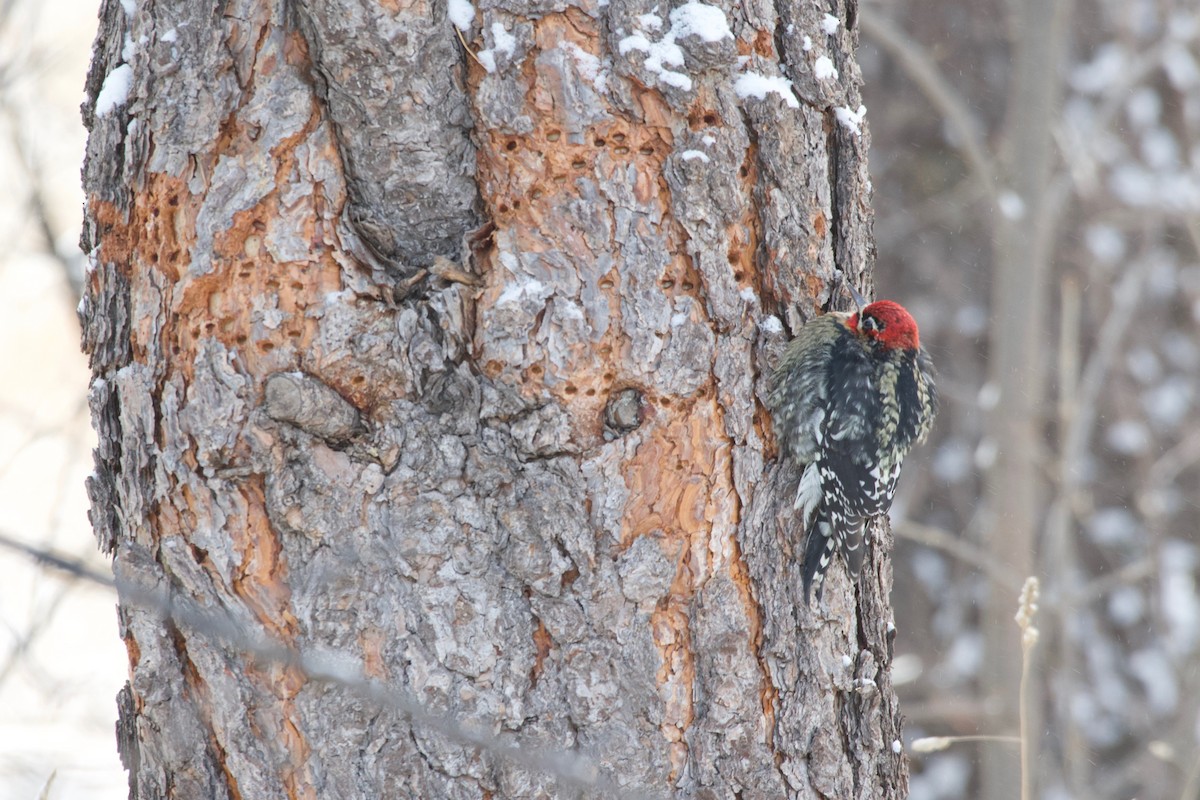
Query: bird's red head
{"points": [[888, 323]]}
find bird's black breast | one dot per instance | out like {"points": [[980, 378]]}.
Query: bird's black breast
{"points": [[908, 398]]}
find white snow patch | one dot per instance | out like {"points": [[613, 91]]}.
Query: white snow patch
{"points": [[748, 294], [824, 69], [752, 84], [807, 44], [659, 56], [129, 7], [691, 155], [676, 79], [830, 24], [690, 19], [462, 14], [771, 324], [504, 42], [697, 19], [651, 22], [708, 139], [638, 41], [851, 120], [897, 748], [128, 49], [169, 37], [115, 91], [589, 66]]}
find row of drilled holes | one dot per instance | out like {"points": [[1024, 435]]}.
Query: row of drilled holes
{"points": [[553, 136], [608, 377]]}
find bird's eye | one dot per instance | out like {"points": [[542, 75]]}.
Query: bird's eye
{"points": [[872, 325]]}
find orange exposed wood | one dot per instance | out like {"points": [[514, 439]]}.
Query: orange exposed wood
{"points": [[372, 641], [259, 309], [764, 44], [670, 477], [527, 179], [261, 581], [679, 479], [542, 643]]}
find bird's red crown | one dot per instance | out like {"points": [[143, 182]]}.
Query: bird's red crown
{"points": [[888, 323]]}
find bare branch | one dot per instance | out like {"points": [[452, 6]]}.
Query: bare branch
{"points": [[959, 548], [923, 70], [569, 769]]}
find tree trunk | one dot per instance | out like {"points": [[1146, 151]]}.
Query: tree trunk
{"points": [[1023, 248], [432, 458]]}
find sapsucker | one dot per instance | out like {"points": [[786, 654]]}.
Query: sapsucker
{"points": [[851, 396]]}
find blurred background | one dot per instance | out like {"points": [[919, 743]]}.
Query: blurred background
{"points": [[1036, 166], [61, 658]]}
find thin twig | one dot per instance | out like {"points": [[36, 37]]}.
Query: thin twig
{"points": [[959, 548], [568, 768], [466, 46], [1026, 616], [1099, 587], [1126, 297], [933, 744]]}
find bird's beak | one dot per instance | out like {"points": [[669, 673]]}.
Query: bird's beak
{"points": [[858, 299]]}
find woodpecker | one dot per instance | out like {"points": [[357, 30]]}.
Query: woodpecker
{"points": [[851, 396]]}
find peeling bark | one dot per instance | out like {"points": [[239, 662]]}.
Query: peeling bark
{"points": [[456, 373]]}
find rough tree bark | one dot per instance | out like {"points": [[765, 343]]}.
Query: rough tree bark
{"points": [[455, 373]]}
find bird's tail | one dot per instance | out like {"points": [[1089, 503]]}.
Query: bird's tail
{"points": [[825, 538]]}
